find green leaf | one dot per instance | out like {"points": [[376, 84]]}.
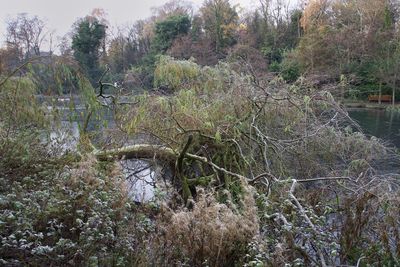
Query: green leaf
{"points": [[218, 136]]}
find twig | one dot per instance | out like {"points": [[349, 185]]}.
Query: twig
{"points": [[258, 177], [304, 214], [324, 179]]}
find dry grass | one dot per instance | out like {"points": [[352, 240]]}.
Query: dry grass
{"points": [[211, 234]]}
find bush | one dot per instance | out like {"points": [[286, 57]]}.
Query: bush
{"points": [[275, 66], [174, 74], [59, 215], [290, 69]]}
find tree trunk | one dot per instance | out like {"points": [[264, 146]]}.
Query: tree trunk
{"points": [[394, 90], [393, 96], [141, 151], [380, 93]]}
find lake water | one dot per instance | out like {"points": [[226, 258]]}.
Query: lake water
{"points": [[140, 174], [380, 123]]}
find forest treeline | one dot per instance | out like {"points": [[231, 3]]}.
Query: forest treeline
{"points": [[353, 43]]}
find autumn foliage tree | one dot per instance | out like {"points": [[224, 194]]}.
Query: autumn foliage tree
{"points": [[220, 23], [341, 33]]}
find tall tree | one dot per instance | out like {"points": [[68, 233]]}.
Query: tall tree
{"points": [[117, 56], [220, 23], [87, 40], [387, 57], [26, 34]]}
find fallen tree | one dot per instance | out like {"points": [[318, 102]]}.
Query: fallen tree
{"points": [[139, 151], [288, 143], [260, 173]]}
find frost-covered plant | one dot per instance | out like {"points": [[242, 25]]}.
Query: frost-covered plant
{"points": [[56, 209], [211, 233], [62, 214]]}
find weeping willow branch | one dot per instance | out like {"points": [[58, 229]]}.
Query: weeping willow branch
{"points": [[20, 68]]}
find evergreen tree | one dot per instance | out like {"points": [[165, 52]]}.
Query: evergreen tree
{"points": [[86, 42], [167, 30]]}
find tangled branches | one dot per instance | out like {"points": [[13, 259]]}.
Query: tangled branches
{"points": [[316, 174]]}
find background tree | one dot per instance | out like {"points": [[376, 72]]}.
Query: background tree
{"points": [[87, 39], [278, 28], [26, 35], [172, 8], [169, 29], [314, 47], [9, 59], [220, 23], [387, 66], [140, 37], [351, 38], [196, 44], [119, 53], [342, 34]]}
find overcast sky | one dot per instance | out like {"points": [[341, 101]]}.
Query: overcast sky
{"points": [[59, 15]]}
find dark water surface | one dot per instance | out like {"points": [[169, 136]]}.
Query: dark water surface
{"points": [[380, 123]]}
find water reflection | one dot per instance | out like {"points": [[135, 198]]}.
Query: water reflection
{"points": [[139, 174], [141, 179], [380, 123], [66, 135]]}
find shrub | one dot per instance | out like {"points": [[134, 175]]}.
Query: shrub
{"points": [[290, 69], [175, 74]]}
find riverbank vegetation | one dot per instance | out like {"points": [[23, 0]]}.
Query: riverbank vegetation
{"points": [[255, 163]]}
